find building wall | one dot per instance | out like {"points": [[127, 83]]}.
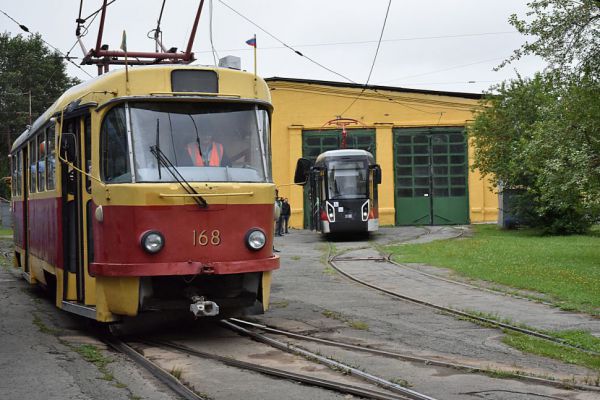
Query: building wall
{"points": [[308, 106]]}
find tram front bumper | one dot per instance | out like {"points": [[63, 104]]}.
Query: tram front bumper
{"points": [[185, 268]]}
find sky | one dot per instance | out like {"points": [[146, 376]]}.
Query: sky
{"points": [[445, 45]]}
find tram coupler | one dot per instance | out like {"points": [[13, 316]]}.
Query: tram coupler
{"points": [[203, 308]]}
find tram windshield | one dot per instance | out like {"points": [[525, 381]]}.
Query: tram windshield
{"points": [[214, 142], [347, 179]]}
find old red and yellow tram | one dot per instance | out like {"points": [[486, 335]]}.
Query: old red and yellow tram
{"points": [[149, 190]]}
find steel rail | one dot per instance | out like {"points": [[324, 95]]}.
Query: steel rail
{"points": [[401, 390], [323, 383], [409, 358], [163, 376], [332, 261]]}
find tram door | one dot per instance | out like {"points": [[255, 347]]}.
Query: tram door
{"points": [[24, 235], [76, 190]]}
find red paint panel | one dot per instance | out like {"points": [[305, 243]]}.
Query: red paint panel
{"points": [[187, 268], [45, 229], [117, 248], [19, 225]]}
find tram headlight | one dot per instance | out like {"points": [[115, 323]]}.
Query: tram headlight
{"points": [[152, 241], [256, 239]]}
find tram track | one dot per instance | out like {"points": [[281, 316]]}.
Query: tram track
{"points": [[404, 392], [393, 391], [332, 259], [176, 386], [411, 358]]}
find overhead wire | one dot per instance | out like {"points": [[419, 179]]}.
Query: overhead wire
{"points": [[387, 12], [317, 63], [285, 44], [26, 29], [375, 41], [443, 70], [381, 95], [210, 30]]}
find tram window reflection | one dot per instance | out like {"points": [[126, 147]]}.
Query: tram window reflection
{"points": [[347, 180], [113, 147], [205, 142]]}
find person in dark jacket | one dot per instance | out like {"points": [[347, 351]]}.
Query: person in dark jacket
{"points": [[286, 211]]}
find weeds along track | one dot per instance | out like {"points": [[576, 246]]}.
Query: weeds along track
{"points": [[409, 358], [395, 392], [340, 257]]}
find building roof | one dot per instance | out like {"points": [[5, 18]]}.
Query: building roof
{"points": [[375, 87]]}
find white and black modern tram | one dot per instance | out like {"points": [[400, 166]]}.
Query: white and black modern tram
{"points": [[342, 186]]}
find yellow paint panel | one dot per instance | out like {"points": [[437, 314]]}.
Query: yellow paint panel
{"points": [[266, 289], [90, 290], [174, 195], [117, 295], [71, 287], [59, 287], [71, 294]]}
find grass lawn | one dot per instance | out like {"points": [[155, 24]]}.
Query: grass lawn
{"points": [[565, 268]]}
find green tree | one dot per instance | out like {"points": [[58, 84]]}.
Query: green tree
{"points": [[26, 66], [541, 136], [566, 33]]}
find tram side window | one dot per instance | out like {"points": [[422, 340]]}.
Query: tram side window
{"points": [[32, 166], [113, 147], [50, 158], [13, 175], [41, 164], [19, 172]]}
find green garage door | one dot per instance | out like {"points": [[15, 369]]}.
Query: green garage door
{"points": [[315, 142], [431, 176]]}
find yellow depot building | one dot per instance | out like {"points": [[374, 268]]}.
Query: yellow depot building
{"points": [[417, 137]]}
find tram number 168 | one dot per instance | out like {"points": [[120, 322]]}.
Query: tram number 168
{"points": [[204, 238]]}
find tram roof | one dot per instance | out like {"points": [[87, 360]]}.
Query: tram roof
{"points": [[151, 81], [331, 154]]}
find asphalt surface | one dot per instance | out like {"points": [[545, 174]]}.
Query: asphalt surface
{"points": [[39, 356], [39, 344], [309, 296]]}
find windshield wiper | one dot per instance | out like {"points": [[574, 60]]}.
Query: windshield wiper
{"points": [[197, 137], [164, 160], [157, 145]]}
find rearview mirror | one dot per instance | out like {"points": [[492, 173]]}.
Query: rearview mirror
{"points": [[376, 174], [302, 171]]}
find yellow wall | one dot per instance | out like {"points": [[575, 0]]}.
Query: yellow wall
{"points": [[306, 106]]}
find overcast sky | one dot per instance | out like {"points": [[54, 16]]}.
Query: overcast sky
{"points": [[450, 45]]}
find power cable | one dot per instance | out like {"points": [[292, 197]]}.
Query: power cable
{"points": [[387, 12], [210, 30], [443, 70], [375, 41], [284, 44], [26, 29]]}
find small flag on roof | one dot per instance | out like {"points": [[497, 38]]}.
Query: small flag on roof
{"points": [[251, 42], [124, 42]]}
